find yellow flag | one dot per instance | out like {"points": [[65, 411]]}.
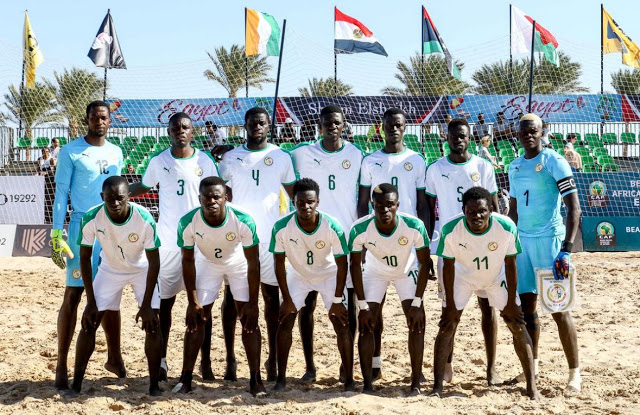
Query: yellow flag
{"points": [[31, 50], [615, 40], [284, 202]]}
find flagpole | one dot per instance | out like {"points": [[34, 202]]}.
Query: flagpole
{"points": [[422, 50], [533, 39], [275, 99], [22, 81], [510, 54], [246, 58], [104, 88], [601, 49], [335, 73]]}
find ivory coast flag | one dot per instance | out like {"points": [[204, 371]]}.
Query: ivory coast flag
{"points": [[262, 34], [521, 28], [31, 52]]}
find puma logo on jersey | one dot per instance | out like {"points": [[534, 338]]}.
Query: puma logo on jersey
{"points": [[463, 245], [168, 169], [372, 243], [84, 154], [241, 160], [101, 231], [121, 251], [294, 241], [317, 161], [200, 235], [517, 168], [446, 175], [378, 164]]}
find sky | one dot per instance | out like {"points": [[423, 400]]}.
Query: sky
{"points": [[164, 42]]}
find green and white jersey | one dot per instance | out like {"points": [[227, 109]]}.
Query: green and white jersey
{"points": [[179, 181], [313, 254], [479, 258], [255, 176], [123, 244], [447, 181], [389, 256], [223, 244], [405, 170], [336, 172]]}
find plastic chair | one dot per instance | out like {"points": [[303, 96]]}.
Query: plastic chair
{"points": [[590, 168], [42, 142], [610, 167], [609, 138], [629, 138], [24, 142]]}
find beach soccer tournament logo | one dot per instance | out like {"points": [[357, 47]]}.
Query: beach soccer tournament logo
{"points": [[556, 294], [598, 196], [605, 234]]}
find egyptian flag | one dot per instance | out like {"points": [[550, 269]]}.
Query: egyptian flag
{"points": [[105, 51], [521, 27], [615, 40], [433, 43], [351, 36]]}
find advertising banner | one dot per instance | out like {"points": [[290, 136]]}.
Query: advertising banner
{"points": [[609, 194], [616, 233], [7, 236], [21, 200]]}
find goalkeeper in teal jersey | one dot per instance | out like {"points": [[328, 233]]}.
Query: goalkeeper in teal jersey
{"points": [[540, 180], [83, 165]]}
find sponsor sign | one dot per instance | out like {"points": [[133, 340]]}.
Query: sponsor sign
{"points": [[21, 200], [32, 240], [609, 194], [611, 233], [7, 236]]}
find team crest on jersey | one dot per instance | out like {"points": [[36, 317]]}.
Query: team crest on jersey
{"points": [[538, 167], [268, 161], [475, 176], [198, 171], [403, 240], [492, 246], [408, 166], [346, 164], [76, 274], [320, 244], [133, 237], [231, 236]]}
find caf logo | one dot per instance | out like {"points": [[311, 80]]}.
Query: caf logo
{"points": [[76, 274], [320, 244], [408, 166], [598, 188], [357, 33], [605, 228], [268, 161], [231, 236], [403, 240], [198, 171], [346, 164], [133, 237], [492, 246], [538, 167], [475, 177]]}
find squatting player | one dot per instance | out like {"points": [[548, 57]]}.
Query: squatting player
{"points": [[315, 245], [540, 180], [255, 171], [404, 169], [177, 171], [335, 165], [392, 241], [447, 179], [83, 165], [127, 234], [479, 249], [227, 250]]}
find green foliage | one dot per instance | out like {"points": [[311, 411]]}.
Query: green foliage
{"points": [[325, 87], [230, 69], [626, 81], [432, 79], [34, 106]]}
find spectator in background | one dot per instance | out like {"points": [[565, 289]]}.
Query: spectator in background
{"points": [[545, 135], [573, 158], [501, 129], [46, 164], [444, 127], [516, 123], [288, 132], [481, 128], [131, 169], [571, 140], [55, 148], [503, 201], [308, 131], [483, 152], [215, 136], [347, 131], [376, 133]]}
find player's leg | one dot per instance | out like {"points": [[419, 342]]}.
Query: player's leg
{"points": [[406, 289], [153, 351], [166, 307], [84, 349], [377, 352], [490, 333], [351, 309], [205, 357], [192, 343], [448, 369], [271, 297], [229, 315], [171, 283], [374, 291], [67, 317], [305, 325]]}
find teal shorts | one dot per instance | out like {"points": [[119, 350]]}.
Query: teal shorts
{"points": [[74, 277], [537, 252]]}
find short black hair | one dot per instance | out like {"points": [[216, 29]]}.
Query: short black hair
{"points": [[255, 111], [393, 111], [384, 189], [115, 181], [476, 193], [212, 181], [97, 104], [456, 122], [304, 185], [331, 109], [207, 123], [571, 136], [179, 116]]}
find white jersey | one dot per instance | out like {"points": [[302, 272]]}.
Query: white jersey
{"points": [[223, 244], [255, 176], [389, 256], [447, 181], [179, 182], [313, 254], [405, 170], [123, 245], [479, 258], [336, 173]]}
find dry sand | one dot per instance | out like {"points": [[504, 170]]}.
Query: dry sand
{"points": [[608, 330]]}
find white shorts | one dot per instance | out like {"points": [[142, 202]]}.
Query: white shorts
{"points": [[108, 286], [170, 277], [209, 279], [496, 293], [300, 287], [479, 293], [267, 269], [375, 287]]}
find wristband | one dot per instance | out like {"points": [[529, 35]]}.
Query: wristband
{"points": [[337, 300], [567, 246], [56, 233], [417, 302], [363, 305]]}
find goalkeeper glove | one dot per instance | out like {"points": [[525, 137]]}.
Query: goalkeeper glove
{"points": [[561, 265], [59, 247]]}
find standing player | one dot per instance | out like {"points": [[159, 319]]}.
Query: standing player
{"points": [[125, 231], [392, 241], [447, 179], [83, 165], [334, 164], [540, 180], [315, 245], [178, 171], [403, 168], [228, 249], [479, 250], [255, 171]]}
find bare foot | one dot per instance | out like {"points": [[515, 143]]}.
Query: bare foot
{"points": [[534, 395], [206, 372], [493, 378], [62, 379], [181, 388], [272, 372], [436, 393], [154, 390], [376, 374], [448, 372], [309, 376], [257, 389], [415, 392], [279, 386], [230, 372], [350, 386], [117, 368]]}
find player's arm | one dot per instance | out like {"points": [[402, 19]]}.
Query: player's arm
{"points": [[150, 319], [250, 310], [513, 210], [337, 309], [137, 189], [512, 311], [90, 315], [289, 189], [287, 306], [195, 312], [495, 202], [448, 277], [422, 206], [59, 246], [424, 259], [573, 219], [364, 195], [365, 318], [431, 224]]}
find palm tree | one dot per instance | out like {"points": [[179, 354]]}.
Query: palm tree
{"points": [[626, 81], [230, 69], [74, 90], [32, 106], [547, 78], [432, 79], [325, 87]]}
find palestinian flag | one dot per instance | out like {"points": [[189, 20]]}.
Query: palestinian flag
{"points": [[262, 34], [521, 27], [433, 43], [351, 36]]}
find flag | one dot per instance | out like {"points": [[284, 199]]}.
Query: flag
{"points": [[105, 51], [433, 43], [615, 40], [31, 52], [262, 34], [521, 26], [351, 36]]}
